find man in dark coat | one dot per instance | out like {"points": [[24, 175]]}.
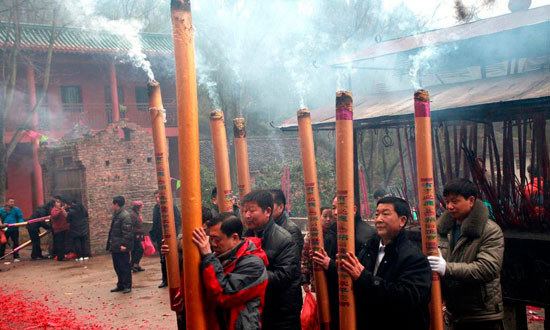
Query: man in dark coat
{"points": [[281, 218], [156, 235], [121, 243], [34, 228], [283, 296], [77, 218], [234, 275], [391, 277], [327, 258]]}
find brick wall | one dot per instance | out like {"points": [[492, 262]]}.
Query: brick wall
{"points": [[107, 164]]}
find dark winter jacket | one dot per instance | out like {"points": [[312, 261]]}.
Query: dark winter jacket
{"points": [[77, 218], [121, 232], [59, 220], [294, 231], [156, 230], [397, 296], [363, 234], [236, 287], [283, 297], [41, 211], [471, 284]]}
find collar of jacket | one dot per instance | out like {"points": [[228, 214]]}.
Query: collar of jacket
{"points": [[117, 212], [228, 256], [281, 218], [472, 226], [374, 244]]}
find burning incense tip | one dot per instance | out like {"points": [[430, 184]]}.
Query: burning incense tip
{"points": [[344, 98], [181, 5], [239, 128], [422, 95], [216, 115], [303, 113]]}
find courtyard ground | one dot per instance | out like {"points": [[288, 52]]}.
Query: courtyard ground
{"points": [[46, 294]]}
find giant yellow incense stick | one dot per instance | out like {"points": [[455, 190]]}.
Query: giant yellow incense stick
{"points": [[188, 137], [426, 195], [169, 234], [221, 161], [241, 155], [345, 197], [313, 210]]}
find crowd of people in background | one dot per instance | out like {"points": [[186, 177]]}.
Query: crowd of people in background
{"points": [[255, 261], [68, 223]]}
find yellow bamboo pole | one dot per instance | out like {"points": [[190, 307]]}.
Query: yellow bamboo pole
{"points": [[345, 197], [313, 210], [221, 161], [426, 196], [169, 234], [188, 134], [241, 155]]}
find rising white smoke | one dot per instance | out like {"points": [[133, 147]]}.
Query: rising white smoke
{"points": [[84, 13]]}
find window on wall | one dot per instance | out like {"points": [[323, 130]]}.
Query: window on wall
{"points": [[109, 103], [71, 97], [142, 100], [43, 110]]}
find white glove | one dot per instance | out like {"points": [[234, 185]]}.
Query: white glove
{"points": [[438, 264]]}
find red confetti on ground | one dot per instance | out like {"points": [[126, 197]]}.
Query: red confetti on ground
{"points": [[21, 312]]}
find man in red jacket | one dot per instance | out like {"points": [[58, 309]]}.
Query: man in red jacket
{"points": [[60, 226], [234, 276]]}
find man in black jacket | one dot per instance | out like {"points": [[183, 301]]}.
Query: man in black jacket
{"points": [[392, 278], [77, 218], [121, 243], [34, 228], [283, 296], [281, 218], [156, 234]]}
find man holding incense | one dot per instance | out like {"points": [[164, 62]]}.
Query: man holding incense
{"points": [[11, 214], [391, 276], [472, 248], [233, 273], [283, 297]]}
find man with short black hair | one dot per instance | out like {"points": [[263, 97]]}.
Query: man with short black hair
{"points": [[281, 218], [11, 214], [472, 249], [391, 277], [234, 275], [283, 296], [120, 243]]}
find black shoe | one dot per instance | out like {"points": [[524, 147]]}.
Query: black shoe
{"points": [[117, 289], [162, 285], [127, 290], [138, 269]]}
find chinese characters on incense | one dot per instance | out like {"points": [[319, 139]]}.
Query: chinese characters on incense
{"points": [[426, 195], [345, 203], [313, 210], [169, 234]]}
